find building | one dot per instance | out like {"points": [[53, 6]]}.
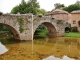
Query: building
{"points": [[60, 14], [75, 19]]}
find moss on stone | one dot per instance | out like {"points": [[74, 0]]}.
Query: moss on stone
{"points": [[20, 21], [21, 29], [59, 22]]}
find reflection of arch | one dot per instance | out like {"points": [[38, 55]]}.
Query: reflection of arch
{"points": [[14, 31], [51, 28], [67, 29], [79, 23]]}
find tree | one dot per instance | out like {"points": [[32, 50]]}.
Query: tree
{"points": [[19, 8], [41, 11], [15, 10], [72, 7], [32, 6], [58, 5]]}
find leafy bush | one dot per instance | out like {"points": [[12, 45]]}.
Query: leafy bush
{"points": [[74, 29], [21, 29]]}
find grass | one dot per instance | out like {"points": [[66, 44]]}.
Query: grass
{"points": [[72, 34], [42, 34]]}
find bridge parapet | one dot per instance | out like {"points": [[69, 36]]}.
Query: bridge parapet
{"points": [[37, 17]]}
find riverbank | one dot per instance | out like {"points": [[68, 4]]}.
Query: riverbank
{"points": [[72, 34]]}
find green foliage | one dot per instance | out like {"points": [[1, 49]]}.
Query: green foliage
{"points": [[19, 8], [41, 34], [15, 10], [72, 7], [41, 11], [74, 29], [58, 5], [5, 28], [32, 6], [72, 34], [59, 22], [40, 28], [21, 29], [20, 21]]}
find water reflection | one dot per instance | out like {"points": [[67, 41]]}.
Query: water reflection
{"points": [[53, 58], [60, 48], [3, 49]]}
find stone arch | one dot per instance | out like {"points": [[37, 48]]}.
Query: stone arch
{"points": [[14, 31], [67, 29], [51, 28]]}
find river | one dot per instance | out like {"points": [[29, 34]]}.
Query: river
{"points": [[58, 48]]}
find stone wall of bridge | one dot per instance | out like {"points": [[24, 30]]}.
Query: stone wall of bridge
{"points": [[55, 27], [20, 25], [24, 26]]}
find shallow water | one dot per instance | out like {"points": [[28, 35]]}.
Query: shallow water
{"points": [[42, 49]]}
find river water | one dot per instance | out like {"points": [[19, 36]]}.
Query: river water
{"points": [[59, 48]]}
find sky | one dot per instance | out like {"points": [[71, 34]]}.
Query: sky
{"points": [[48, 5]]}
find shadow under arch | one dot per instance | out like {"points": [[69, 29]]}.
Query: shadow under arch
{"points": [[67, 29], [51, 28], [15, 33]]}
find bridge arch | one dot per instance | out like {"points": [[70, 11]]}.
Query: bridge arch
{"points": [[14, 31], [51, 28], [67, 29]]}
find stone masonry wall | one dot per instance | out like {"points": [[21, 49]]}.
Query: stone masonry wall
{"points": [[23, 26]]}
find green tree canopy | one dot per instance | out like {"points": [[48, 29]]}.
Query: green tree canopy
{"points": [[58, 5], [41, 11], [72, 7], [15, 10], [32, 6]]}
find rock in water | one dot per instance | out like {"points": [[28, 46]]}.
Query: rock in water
{"points": [[3, 49], [53, 58]]}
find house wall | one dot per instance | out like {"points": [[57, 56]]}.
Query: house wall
{"points": [[74, 20], [62, 16]]}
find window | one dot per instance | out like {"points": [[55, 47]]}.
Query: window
{"points": [[74, 22]]}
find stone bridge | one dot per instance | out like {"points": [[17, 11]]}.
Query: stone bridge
{"points": [[23, 26]]}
